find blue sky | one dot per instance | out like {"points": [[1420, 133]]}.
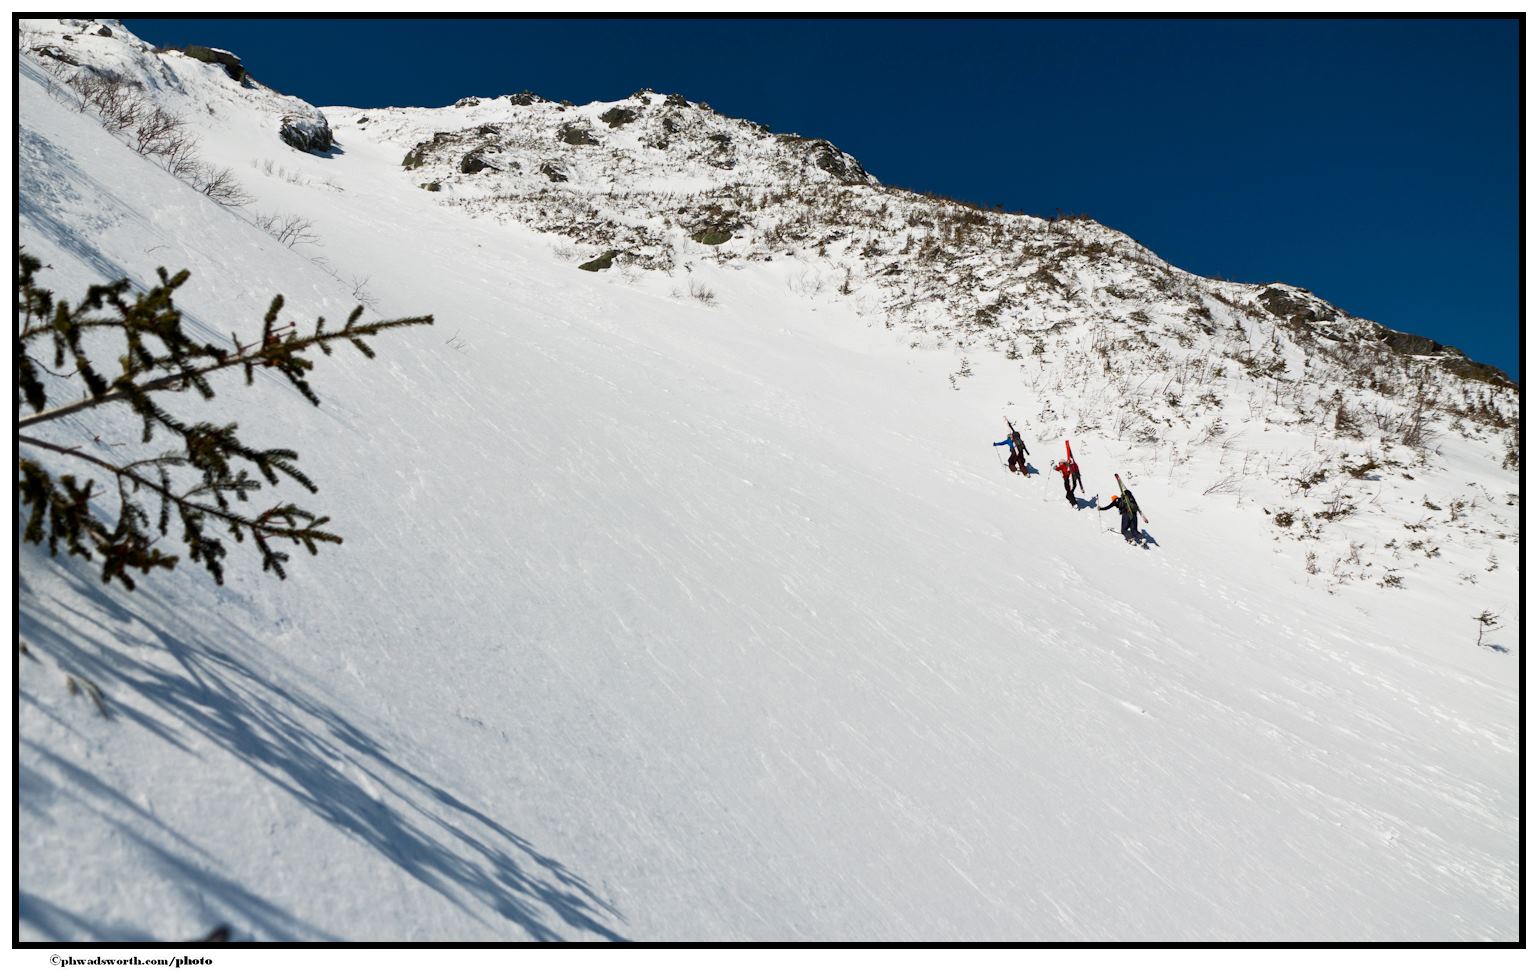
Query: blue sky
{"points": [[1375, 162]]}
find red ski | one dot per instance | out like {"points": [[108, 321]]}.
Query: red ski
{"points": [[1078, 480]]}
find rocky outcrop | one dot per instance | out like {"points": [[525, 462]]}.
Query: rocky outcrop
{"points": [[573, 134], [55, 52], [213, 55], [618, 117], [824, 155], [475, 162], [1296, 306], [601, 263], [306, 132]]}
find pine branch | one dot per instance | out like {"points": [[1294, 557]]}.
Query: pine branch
{"points": [[159, 357], [153, 314], [129, 544]]}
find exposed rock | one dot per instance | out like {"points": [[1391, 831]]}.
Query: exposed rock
{"points": [[308, 133], [213, 55], [722, 159], [421, 151], [467, 102], [1460, 365], [600, 263], [1295, 306], [474, 162], [57, 53], [433, 186], [1401, 343], [574, 134], [676, 101], [841, 166], [525, 98], [104, 32], [711, 236], [553, 172], [823, 154], [617, 117]]}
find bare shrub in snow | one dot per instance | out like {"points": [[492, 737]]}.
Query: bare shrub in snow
{"points": [[361, 292], [178, 152], [117, 101], [155, 130], [1489, 622], [219, 185], [702, 293], [1227, 485], [289, 230]]}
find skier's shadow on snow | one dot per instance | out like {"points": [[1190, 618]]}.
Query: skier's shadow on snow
{"points": [[1147, 539], [296, 741]]}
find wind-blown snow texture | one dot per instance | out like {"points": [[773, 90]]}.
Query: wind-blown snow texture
{"points": [[663, 619]]}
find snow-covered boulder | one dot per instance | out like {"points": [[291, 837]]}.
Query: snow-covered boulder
{"points": [[308, 132]]}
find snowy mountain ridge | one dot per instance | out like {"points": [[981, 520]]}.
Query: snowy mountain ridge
{"points": [[658, 183], [678, 598]]}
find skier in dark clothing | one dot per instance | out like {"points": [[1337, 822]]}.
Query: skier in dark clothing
{"points": [[1067, 473], [1129, 530], [1017, 454], [1017, 451]]}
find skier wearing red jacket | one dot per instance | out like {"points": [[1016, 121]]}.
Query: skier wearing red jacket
{"points": [[1067, 472]]}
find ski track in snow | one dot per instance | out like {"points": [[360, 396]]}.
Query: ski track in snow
{"points": [[657, 621]]}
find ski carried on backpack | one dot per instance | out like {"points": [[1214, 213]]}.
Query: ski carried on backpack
{"points": [[1131, 500], [1077, 477], [1012, 433]]}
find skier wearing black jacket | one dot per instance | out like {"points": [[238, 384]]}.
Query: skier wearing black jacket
{"points": [[1129, 530]]}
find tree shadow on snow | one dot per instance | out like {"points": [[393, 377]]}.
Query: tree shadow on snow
{"points": [[56, 923], [292, 738]]}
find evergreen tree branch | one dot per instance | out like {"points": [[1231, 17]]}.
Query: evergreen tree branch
{"points": [[129, 544], [281, 353], [159, 357]]}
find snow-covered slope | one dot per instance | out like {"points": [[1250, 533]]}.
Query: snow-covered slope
{"points": [[662, 617]]}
